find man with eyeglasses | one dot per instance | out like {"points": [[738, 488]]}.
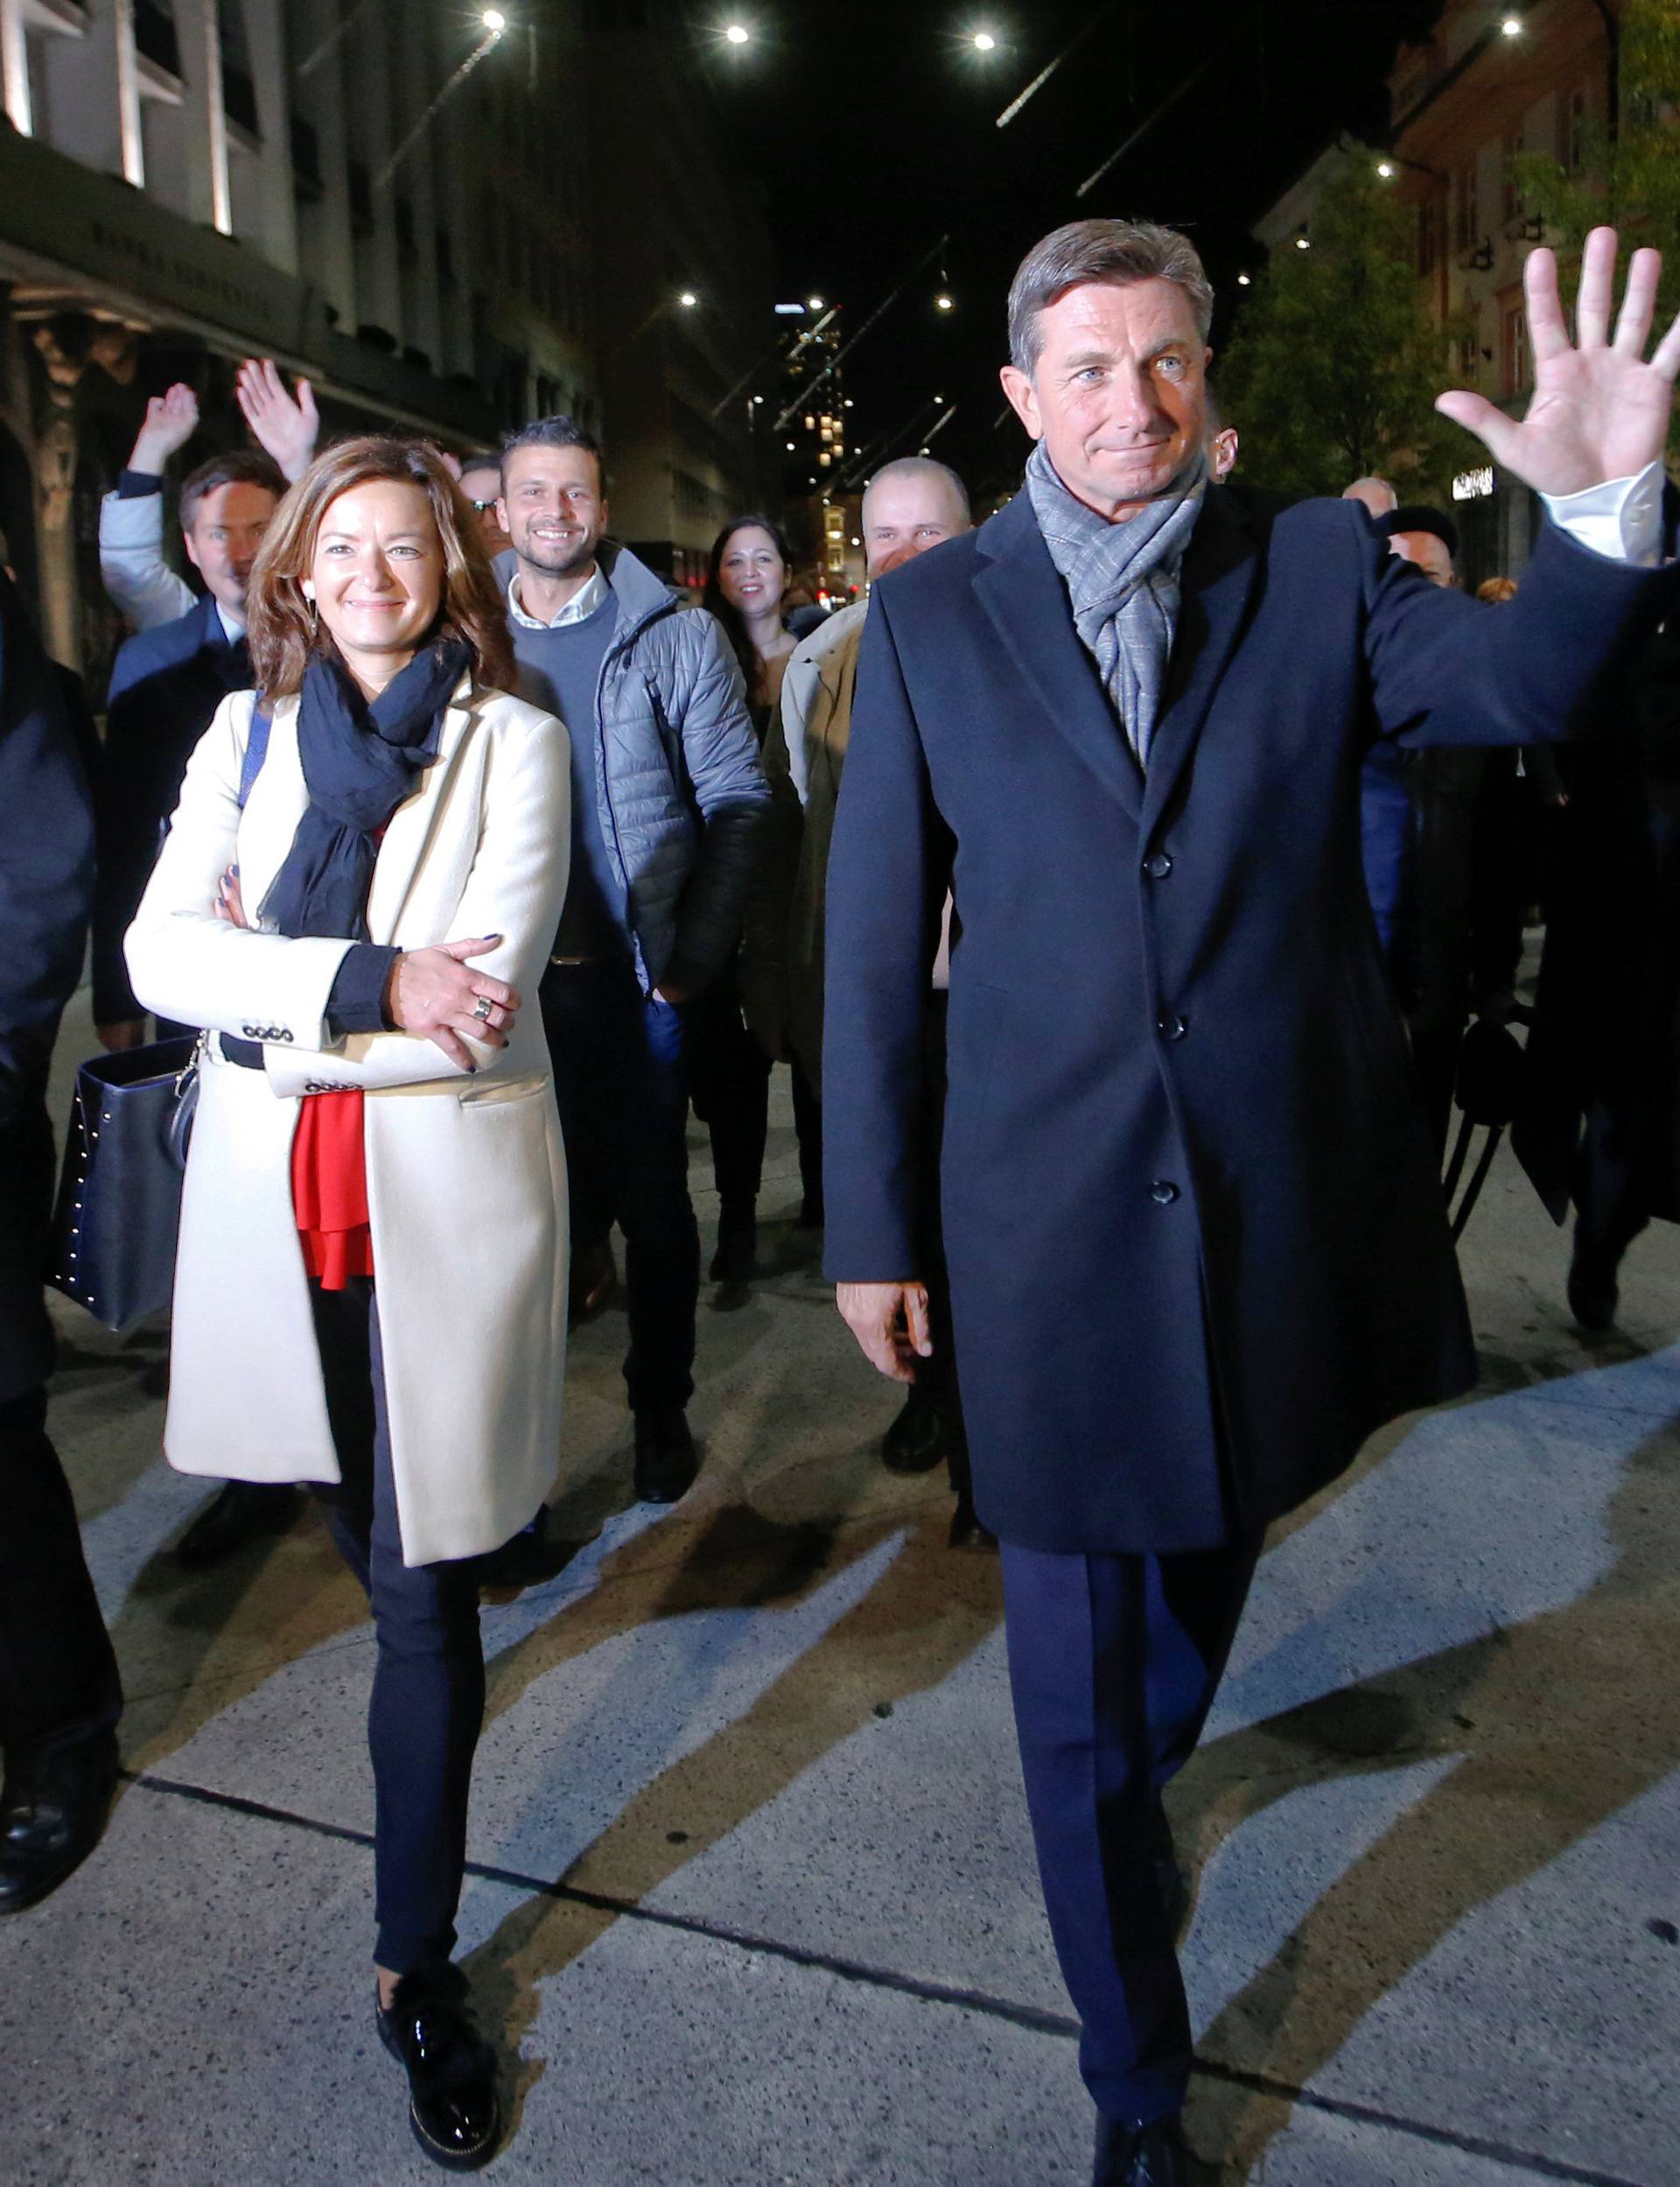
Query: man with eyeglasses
{"points": [[481, 483]]}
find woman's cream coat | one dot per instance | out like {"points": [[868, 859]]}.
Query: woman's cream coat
{"points": [[465, 1173]]}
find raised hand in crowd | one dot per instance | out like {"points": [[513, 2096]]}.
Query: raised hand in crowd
{"points": [[1600, 409], [287, 425], [171, 419]]}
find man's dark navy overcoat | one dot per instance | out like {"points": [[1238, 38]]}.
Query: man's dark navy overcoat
{"points": [[1194, 1227], [166, 685]]}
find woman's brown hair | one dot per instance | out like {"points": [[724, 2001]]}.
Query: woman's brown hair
{"points": [[282, 622]]}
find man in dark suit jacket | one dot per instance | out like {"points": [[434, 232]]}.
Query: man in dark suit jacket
{"points": [[165, 687], [1194, 1231], [60, 1697]]}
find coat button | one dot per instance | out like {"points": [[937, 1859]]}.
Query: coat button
{"points": [[1173, 1028], [1158, 865], [1163, 1192]]}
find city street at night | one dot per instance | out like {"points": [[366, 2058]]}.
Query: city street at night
{"points": [[840, 1093], [751, 1895]]}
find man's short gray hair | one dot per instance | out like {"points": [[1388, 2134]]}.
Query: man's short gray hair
{"points": [[1119, 251], [923, 468]]}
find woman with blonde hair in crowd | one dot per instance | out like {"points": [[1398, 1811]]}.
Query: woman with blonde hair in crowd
{"points": [[371, 1286]]}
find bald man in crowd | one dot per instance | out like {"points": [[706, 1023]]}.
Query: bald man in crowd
{"points": [[909, 506]]}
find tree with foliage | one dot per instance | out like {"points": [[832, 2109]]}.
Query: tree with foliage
{"points": [[1337, 360]]}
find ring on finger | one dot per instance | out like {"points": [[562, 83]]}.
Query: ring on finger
{"points": [[483, 1009]]}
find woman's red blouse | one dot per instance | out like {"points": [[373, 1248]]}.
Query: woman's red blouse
{"points": [[329, 1188]]}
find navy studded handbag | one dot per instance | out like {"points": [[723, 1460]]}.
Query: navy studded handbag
{"points": [[119, 1205]]}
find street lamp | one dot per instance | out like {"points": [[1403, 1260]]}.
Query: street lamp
{"points": [[814, 304], [944, 303], [1511, 27], [688, 300], [1303, 243], [1243, 281], [1386, 169], [494, 21], [984, 42], [738, 34]]}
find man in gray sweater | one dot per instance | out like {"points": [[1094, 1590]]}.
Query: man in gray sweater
{"points": [[669, 815]]}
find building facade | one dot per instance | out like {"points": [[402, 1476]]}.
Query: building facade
{"points": [[683, 293], [1494, 82], [373, 193]]}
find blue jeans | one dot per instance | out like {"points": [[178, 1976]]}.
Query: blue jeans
{"points": [[1114, 1660], [428, 1700], [621, 1082]]}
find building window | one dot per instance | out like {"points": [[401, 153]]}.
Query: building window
{"points": [[1468, 232], [1516, 370], [1510, 189], [306, 158], [238, 83], [154, 36], [360, 186], [1571, 130], [1469, 362], [1429, 237]]}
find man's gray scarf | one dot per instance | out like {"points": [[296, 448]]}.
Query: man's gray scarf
{"points": [[1123, 580]]}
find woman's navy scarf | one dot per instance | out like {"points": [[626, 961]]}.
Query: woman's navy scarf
{"points": [[359, 762]]}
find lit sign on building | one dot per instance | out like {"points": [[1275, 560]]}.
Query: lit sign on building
{"points": [[1473, 485]]}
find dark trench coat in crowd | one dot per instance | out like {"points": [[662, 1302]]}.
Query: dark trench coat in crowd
{"points": [[1193, 1214], [1608, 1017], [46, 878]]}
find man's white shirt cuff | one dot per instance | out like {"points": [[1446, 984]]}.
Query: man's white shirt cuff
{"points": [[1622, 519]]}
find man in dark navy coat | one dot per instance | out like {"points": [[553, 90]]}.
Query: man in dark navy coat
{"points": [[59, 1698], [1194, 1230], [165, 687]]}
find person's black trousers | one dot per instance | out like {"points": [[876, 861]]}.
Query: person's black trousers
{"points": [[428, 1700], [621, 1076], [729, 1080], [59, 1684], [1114, 1661]]}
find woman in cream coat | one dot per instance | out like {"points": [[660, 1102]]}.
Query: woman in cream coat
{"points": [[371, 1286]]}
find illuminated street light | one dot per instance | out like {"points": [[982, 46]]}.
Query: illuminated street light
{"points": [[688, 300], [814, 304], [494, 21], [1303, 243], [792, 446], [738, 34], [1243, 281], [1511, 27], [943, 303], [1385, 168], [984, 42]]}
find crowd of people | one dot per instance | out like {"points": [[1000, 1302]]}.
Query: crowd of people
{"points": [[1123, 993]]}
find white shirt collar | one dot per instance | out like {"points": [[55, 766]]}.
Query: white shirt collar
{"points": [[233, 630], [582, 605]]}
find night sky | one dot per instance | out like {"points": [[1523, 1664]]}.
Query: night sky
{"points": [[867, 130]]}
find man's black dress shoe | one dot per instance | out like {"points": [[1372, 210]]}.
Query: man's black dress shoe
{"points": [[1592, 1295], [53, 1812], [666, 1461], [736, 1258], [917, 1440], [453, 2107], [1152, 2155], [244, 1511]]}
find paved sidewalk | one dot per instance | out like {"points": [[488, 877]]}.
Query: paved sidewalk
{"points": [[752, 1897]]}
